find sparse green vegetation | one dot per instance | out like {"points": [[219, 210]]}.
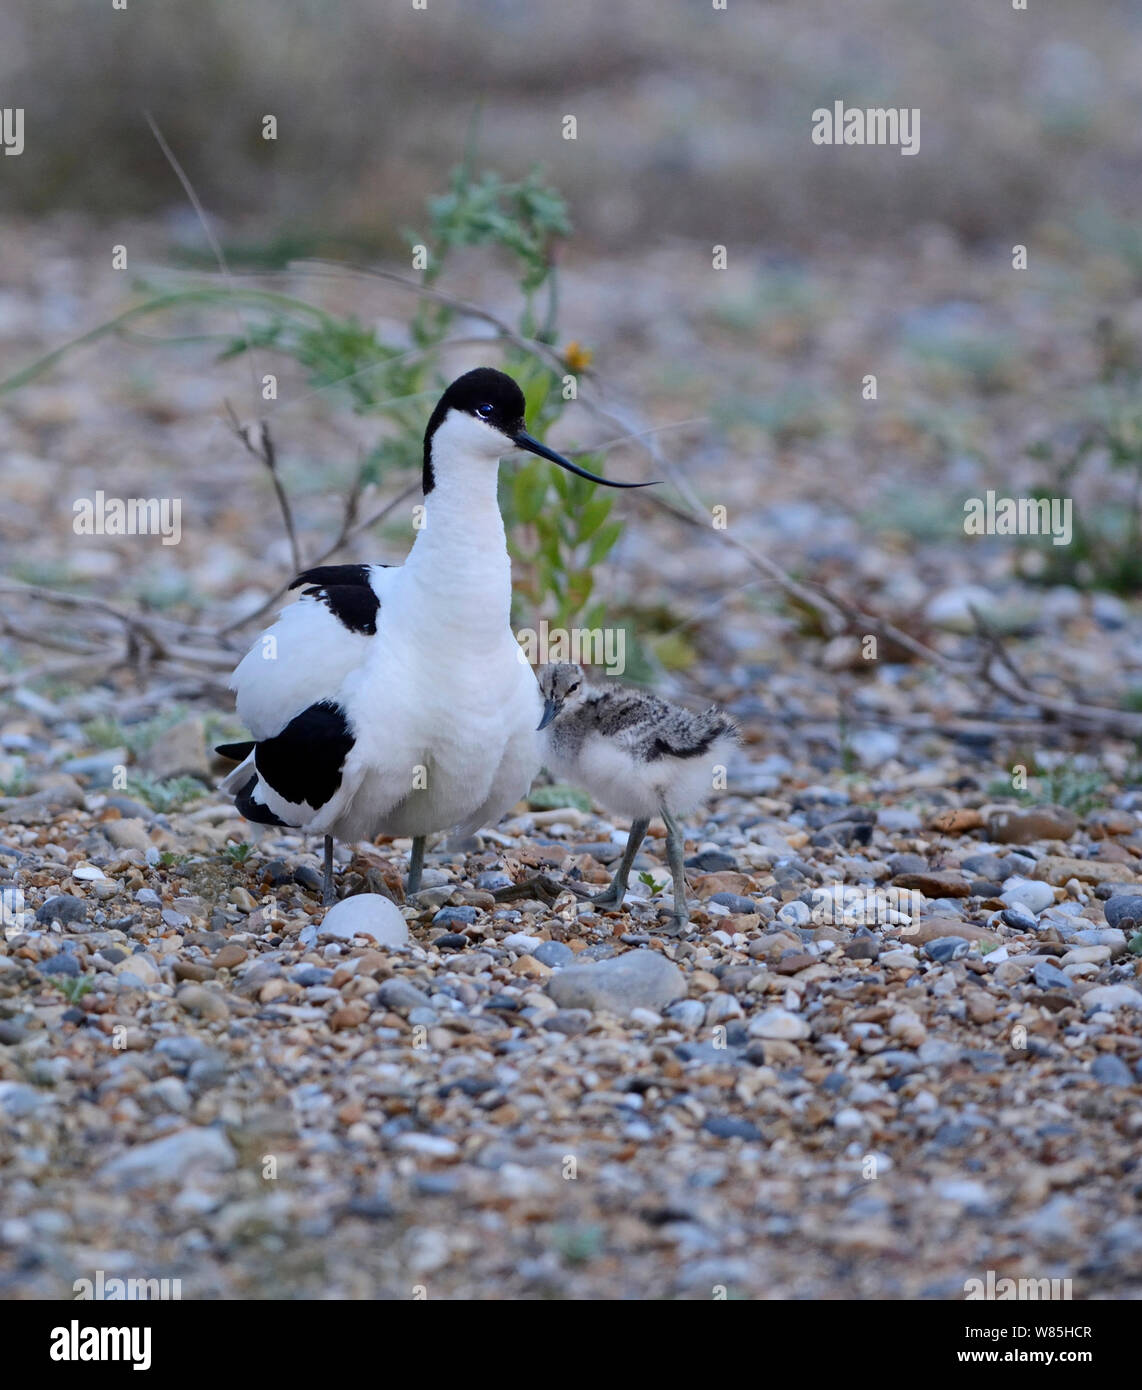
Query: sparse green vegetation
{"points": [[556, 795], [1068, 783], [74, 987], [170, 795]]}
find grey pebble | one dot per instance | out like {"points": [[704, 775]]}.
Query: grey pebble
{"points": [[638, 979], [401, 994], [553, 953], [452, 941], [946, 948], [1111, 1070], [730, 1127], [1019, 917], [63, 908], [711, 861], [63, 964], [736, 902], [1123, 911], [464, 914], [492, 879], [1048, 976]]}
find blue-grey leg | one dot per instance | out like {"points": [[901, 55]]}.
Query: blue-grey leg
{"points": [[328, 895], [415, 865], [675, 849], [613, 895]]}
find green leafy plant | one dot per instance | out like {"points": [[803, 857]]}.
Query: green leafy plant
{"points": [[238, 854], [74, 987]]}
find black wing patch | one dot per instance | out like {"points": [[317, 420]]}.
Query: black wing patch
{"points": [[346, 592], [357, 575], [303, 763]]}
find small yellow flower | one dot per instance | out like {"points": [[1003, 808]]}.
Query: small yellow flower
{"points": [[577, 357]]}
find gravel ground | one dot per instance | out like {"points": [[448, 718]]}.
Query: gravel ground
{"points": [[877, 1094], [811, 1095]]}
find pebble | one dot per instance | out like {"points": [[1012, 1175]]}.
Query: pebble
{"points": [[1123, 912], [947, 948], [1111, 1070], [730, 1127], [737, 904], [63, 908], [62, 964], [493, 881], [710, 861], [466, 915], [396, 993], [1029, 893], [780, 1024], [1111, 997], [637, 979], [1048, 976], [171, 1159], [127, 834], [571, 1022], [553, 953], [18, 1100], [366, 914], [690, 1013], [1019, 917], [1024, 827], [203, 1003], [451, 941], [898, 960]]}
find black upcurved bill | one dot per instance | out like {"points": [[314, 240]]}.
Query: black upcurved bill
{"points": [[523, 440]]}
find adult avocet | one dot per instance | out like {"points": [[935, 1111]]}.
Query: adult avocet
{"points": [[394, 699]]}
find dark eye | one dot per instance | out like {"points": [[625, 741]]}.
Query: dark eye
{"points": [[485, 410]]}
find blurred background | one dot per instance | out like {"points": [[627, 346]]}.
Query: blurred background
{"points": [[690, 118], [693, 131]]}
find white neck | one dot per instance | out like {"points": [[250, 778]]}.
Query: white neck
{"points": [[459, 561]]}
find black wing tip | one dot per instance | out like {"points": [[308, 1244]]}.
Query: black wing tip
{"points": [[253, 810], [236, 752]]}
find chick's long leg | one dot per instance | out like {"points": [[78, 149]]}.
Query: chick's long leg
{"points": [[613, 895], [675, 849]]}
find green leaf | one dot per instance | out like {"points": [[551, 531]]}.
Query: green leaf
{"points": [[604, 542], [593, 515], [529, 492]]}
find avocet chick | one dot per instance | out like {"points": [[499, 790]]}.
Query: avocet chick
{"points": [[638, 756]]}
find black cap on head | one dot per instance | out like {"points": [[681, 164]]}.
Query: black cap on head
{"points": [[488, 395], [494, 398]]}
